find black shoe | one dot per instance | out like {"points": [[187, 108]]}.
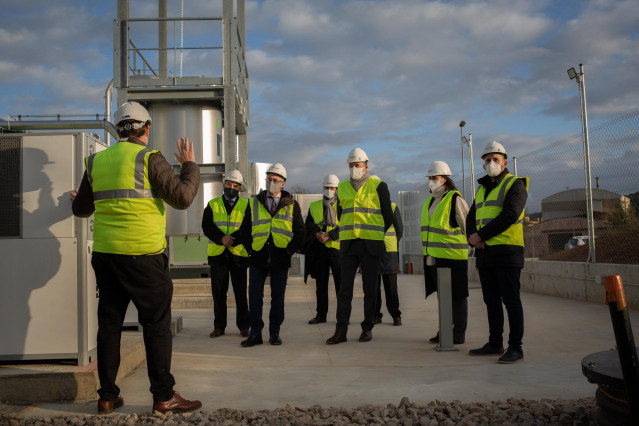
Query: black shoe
{"points": [[316, 320], [377, 320], [397, 321], [252, 341], [275, 339], [456, 341], [511, 356], [366, 336], [487, 349], [336, 338]]}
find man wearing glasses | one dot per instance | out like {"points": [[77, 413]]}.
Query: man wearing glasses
{"points": [[277, 231]]}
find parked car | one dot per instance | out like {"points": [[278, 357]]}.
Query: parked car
{"points": [[575, 241]]}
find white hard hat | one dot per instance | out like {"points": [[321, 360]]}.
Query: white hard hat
{"points": [[356, 155], [277, 169], [494, 147], [132, 111], [331, 181], [234, 176], [438, 168]]}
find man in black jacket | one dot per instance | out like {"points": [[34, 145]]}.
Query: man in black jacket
{"points": [[125, 187], [494, 227], [277, 232], [227, 254], [364, 212]]}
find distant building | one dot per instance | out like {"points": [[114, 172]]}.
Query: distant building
{"points": [[564, 215], [572, 203]]}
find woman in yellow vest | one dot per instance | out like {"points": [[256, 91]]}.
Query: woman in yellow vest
{"points": [[321, 254], [444, 243], [227, 255]]}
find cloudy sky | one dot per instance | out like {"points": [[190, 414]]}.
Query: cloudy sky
{"points": [[392, 77]]}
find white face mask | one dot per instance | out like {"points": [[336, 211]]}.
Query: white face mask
{"points": [[433, 185], [272, 187], [493, 169], [357, 172], [329, 193]]}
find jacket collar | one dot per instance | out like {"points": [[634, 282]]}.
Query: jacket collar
{"points": [[286, 198]]}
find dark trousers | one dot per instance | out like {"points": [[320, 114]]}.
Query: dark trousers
{"points": [[327, 262], [257, 278], [357, 255], [219, 288], [497, 286], [145, 280], [390, 293]]}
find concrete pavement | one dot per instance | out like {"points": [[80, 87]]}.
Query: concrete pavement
{"points": [[398, 362]]}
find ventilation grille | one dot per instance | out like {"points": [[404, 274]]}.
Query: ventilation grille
{"points": [[10, 184]]}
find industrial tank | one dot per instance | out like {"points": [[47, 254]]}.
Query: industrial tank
{"points": [[202, 124]]}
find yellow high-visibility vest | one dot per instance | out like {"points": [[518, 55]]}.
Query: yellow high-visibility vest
{"points": [[317, 213], [227, 224], [439, 239], [129, 215], [361, 211], [488, 208], [390, 238], [263, 225]]}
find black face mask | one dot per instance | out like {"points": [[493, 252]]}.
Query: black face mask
{"points": [[231, 193]]}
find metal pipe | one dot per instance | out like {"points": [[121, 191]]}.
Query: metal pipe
{"points": [[107, 109], [584, 130], [162, 34], [61, 124]]}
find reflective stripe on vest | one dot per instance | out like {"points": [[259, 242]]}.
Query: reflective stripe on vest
{"points": [[129, 216], [227, 224], [317, 213], [439, 239], [280, 225], [390, 238], [488, 208], [361, 211]]}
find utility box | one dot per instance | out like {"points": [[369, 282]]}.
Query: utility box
{"points": [[48, 293]]}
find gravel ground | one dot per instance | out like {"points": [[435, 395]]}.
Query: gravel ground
{"points": [[512, 411]]}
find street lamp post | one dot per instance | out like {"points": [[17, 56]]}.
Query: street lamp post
{"points": [[584, 131], [461, 136], [472, 165]]}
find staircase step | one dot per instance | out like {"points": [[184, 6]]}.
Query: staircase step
{"points": [[196, 288]]}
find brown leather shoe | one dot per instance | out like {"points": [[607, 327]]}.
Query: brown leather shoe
{"points": [[107, 407], [366, 336], [397, 321], [336, 338], [177, 404], [216, 332], [244, 332]]}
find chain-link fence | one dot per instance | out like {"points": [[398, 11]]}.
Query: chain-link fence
{"points": [[556, 224]]}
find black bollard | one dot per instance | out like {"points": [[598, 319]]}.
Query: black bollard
{"points": [[616, 301]]}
